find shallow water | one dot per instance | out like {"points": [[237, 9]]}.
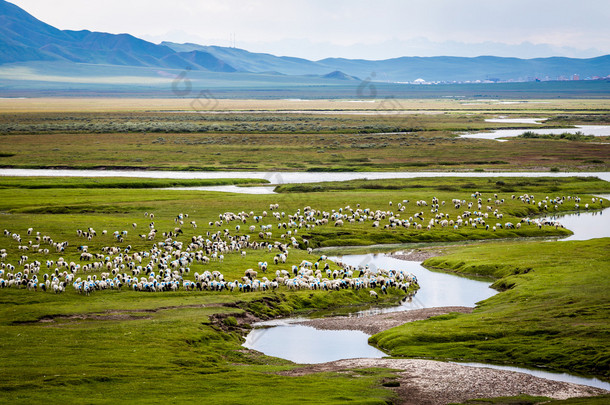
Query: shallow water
{"points": [[301, 344], [229, 189], [586, 225], [285, 177], [307, 345], [517, 120], [437, 289], [591, 382], [595, 130]]}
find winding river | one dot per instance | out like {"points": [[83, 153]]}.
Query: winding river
{"points": [[302, 344], [305, 344]]}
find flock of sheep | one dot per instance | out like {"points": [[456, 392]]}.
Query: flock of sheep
{"points": [[166, 266]]}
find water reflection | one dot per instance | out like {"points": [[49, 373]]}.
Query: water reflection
{"points": [[307, 345], [437, 289], [585, 225], [302, 344], [595, 130]]}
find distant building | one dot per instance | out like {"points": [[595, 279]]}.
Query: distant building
{"points": [[575, 76], [419, 81]]}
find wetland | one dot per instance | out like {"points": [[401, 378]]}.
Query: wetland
{"points": [[547, 305]]}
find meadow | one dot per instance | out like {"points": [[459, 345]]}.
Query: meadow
{"points": [[147, 347], [405, 135], [552, 312], [185, 346]]}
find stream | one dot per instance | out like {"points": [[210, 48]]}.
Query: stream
{"points": [[284, 177], [307, 345]]}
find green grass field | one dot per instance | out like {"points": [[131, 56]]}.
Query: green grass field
{"points": [[552, 311], [185, 346], [131, 346]]}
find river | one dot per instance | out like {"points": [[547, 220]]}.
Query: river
{"points": [[301, 344], [283, 177]]}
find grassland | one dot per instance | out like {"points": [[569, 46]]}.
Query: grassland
{"points": [[124, 346], [406, 135], [412, 151], [140, 347], [584, 107], [552, 312]]}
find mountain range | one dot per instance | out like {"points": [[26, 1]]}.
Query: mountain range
{"points": [[27, 40]]}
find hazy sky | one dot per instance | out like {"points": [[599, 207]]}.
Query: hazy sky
{"points": [[367, 29]]}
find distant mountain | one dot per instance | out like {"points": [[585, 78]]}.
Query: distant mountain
{"points": [[24, 39], [245, 61], [440, 68], [338, 75]]}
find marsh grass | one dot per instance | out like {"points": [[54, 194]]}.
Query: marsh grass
{"points": [[337, 140]]}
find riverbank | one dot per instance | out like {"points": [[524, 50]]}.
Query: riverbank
{"points": [[375, 323], [425, 382], [419, 381], [551, 310]]}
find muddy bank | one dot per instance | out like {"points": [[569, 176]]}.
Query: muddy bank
{"points": [[418, 255], [372, 324], [434, 382]]}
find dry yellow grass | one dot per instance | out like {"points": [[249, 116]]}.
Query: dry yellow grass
{"points": [[133, 104]]}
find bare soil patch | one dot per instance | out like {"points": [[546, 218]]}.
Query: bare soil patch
{"points": [[372, 324], [418, 255]]}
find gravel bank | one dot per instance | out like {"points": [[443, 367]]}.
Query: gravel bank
{"points": [[433, 382]]}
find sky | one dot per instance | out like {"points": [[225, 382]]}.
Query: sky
{"points": [[356, 29]]}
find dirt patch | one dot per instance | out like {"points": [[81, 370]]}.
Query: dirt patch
{"points": [[372, 324], [234, 322], [54, 320], [418, 255], [110, 315], [434, 382]]}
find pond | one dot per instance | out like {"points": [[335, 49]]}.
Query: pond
{"points": [[595, 130], [307, 345]]}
